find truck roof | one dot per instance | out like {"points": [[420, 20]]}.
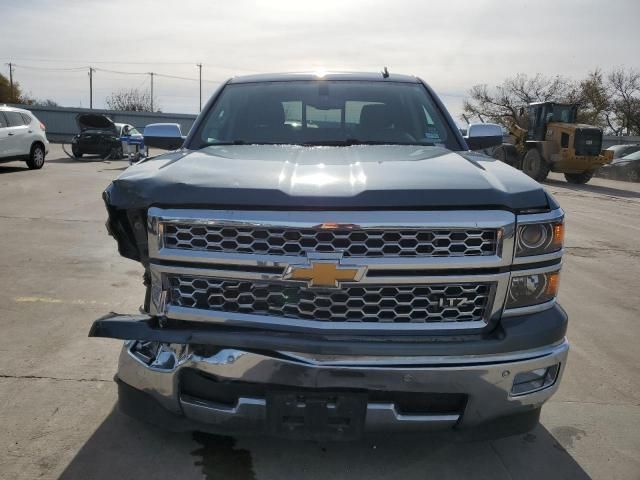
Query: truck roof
{"points": [[286, 77]]}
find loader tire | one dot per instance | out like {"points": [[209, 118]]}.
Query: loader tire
{"points": [[535, 166], [578, 178]]}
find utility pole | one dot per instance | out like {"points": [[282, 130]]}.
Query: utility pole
{"points": [[151, 73], [199, 65], [11, 99], [91, 88]]}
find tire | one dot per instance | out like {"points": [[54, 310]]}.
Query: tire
{"points": [[76, 153], [507, 154], [500, 154], [633, 175], [535, 166], [36, 157], [578, 178]]}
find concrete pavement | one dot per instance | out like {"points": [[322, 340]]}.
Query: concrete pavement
{"points": [[59, 271]]}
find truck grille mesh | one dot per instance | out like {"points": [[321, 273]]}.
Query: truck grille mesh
{"points": [[349, 242], [392, 304]]}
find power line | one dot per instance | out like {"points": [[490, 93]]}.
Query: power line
{"points": [[93, 70], [52, 69], [119, 72], [96, 62]]}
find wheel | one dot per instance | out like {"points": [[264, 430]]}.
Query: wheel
{"points": [[36, 157], [76, 152], [633, 175], [499, 154], [579, 178], [507, 154], [535, 166]]}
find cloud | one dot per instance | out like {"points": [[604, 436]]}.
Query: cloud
{"points": [[452, 45]]}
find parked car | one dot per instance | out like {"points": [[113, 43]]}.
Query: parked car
{"points": [[620, 151], [22, 137], [625, 168], [324, 256], [99, 135]]}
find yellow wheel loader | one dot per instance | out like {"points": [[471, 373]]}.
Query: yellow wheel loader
{"points": [[553, 141]]}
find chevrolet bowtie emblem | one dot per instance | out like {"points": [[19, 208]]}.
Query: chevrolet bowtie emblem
{"points": [[324, 274]]}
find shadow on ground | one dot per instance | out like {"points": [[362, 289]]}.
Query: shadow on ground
{"points": [[602, 190], [124, 448], [84, 159], [13, 168]]}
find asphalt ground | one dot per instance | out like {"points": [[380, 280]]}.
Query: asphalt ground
{"points": [[59, 271]]}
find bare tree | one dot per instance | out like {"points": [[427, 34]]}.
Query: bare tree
{"points": [[132, 100], [503, 103], [624, 88], [593, 100]]}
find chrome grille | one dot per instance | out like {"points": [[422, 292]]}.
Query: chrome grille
{"points": [[460, 302], [350, 242]]}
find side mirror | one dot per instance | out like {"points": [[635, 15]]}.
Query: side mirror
{"points": [[483, 135], [166, 136]]}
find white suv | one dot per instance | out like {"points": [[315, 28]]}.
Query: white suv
{"points": [[22, 137]]}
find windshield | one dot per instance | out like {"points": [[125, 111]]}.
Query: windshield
{"points": [[334, 113], [631, 156], [564, 114]]}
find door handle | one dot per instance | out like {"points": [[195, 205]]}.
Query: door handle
{"points": [[11, 134]]}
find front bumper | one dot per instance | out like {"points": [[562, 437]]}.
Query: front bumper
{"points": [[484, 381]]}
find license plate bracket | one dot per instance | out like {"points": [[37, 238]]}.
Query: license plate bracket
{"points": [[316, 416]]}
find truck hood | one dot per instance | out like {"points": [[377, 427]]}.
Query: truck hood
{"points": [[297, 177]]}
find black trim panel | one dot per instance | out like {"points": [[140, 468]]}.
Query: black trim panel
{"points": [[513, 334]]}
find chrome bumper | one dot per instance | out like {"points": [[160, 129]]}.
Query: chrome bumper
{"points": [[486, 381]]}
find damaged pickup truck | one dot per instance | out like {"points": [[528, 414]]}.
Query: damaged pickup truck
{"points": [[326, 257]]}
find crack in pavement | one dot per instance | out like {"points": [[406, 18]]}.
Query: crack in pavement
{"points": [[54, 219], [602, 250], [59, 379]]}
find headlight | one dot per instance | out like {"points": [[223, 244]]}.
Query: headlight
{"points": [[539, 238], [533, 289]]}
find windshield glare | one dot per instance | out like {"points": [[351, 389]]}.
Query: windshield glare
{"points": [[336, 113]]}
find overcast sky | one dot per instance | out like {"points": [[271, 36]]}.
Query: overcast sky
{"points": [[451, 44]]}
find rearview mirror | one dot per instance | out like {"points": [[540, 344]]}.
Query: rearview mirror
{"points": [[483, 135], [167, 136]]}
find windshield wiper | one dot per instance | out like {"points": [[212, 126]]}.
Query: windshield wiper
{"points": [[240, 142]]}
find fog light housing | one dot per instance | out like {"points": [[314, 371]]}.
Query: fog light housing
{"points": [[145, 351], [534, 380]]}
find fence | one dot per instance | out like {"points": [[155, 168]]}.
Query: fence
{"points": [[61, 121], [609, 140]]}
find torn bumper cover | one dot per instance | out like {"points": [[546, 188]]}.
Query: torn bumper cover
{"points": [[234, 382]]}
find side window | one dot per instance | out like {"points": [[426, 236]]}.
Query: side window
{"points": [[26, 118], [14, 119], [353, 109], [3, 121], [323, 118], [293, 113]]}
